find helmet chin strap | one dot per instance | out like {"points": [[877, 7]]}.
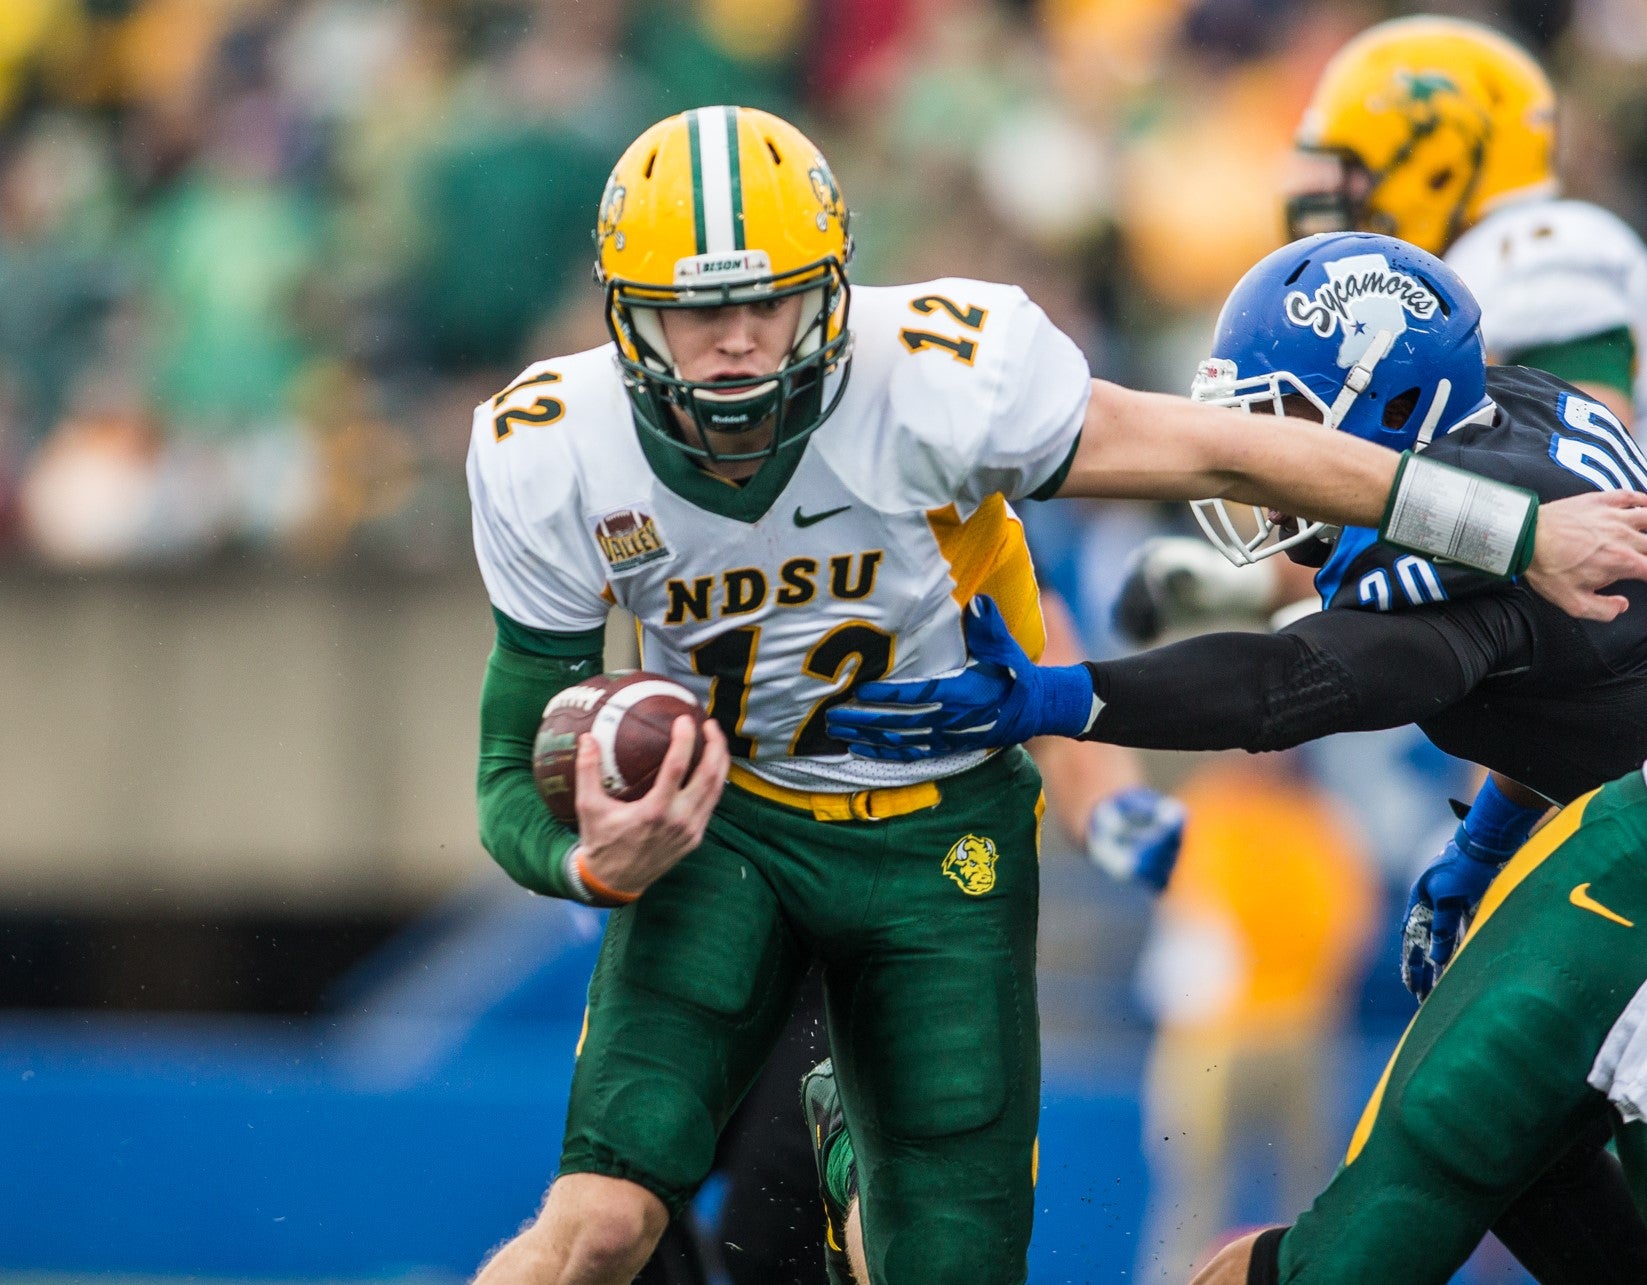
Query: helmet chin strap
{"points": [[1438, 404], [736, 410], [649, 326], [735, 396], [1355, 383]]}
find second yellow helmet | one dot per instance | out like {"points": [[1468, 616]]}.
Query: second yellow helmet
{"points": [[1432, 122]]}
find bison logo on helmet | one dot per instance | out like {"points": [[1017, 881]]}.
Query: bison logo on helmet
{"points": [[1362, 295], [827, 194], [611, 212], [1421, 86], [1426, 99], [971, 863]]}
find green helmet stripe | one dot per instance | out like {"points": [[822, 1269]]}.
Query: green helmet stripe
{"points": [[736, 174], [697, 181]]}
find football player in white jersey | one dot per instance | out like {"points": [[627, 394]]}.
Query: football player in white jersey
{"points": [[1442, 132], [1563, 287], [795, 485]]}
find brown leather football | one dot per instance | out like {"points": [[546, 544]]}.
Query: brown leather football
{"points": [[629, 715]]}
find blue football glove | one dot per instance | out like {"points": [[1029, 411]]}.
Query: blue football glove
{"points": [[1000, 698], [1449, 889], [1134, 836], [1451, 886]]}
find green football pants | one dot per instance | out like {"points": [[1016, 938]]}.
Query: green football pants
{"points": [[925, 926], [1489, 1084]]}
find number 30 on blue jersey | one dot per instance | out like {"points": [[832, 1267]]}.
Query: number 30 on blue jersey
{"points": [[1416, 577]]}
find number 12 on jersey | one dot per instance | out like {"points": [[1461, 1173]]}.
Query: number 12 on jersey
{"points": [[856, 650], [962, 349]]}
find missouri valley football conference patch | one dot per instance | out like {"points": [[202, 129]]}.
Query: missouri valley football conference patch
{"points": [[629, 539], [971, 863]]}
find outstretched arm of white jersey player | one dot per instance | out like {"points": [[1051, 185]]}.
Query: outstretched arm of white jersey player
{"points": [[1152, 446], [1097, 790]]}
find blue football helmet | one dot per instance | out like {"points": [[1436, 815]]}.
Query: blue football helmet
{"points": [[1382, 339]]}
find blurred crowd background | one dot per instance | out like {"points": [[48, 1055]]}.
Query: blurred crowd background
{"points": [[258, 257], [258, 260]]}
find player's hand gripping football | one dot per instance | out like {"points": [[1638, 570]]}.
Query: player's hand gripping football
{"points": [[1585, 543], [629, 846], [1000, 698]]}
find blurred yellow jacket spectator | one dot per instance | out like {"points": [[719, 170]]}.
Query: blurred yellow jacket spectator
{"points": [[1269, 909], [1255, 946]]}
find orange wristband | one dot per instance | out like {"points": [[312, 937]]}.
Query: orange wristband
{"points": [[604, 896]]}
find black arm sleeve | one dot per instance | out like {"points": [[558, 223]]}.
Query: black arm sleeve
{"points": [[1335, 671], [1264, 1267]]}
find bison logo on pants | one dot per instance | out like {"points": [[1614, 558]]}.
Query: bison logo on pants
{"points": [[971, 863]]}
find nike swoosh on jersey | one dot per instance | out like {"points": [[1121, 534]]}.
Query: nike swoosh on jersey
{"points": [[807, 519], [1580, 897]]}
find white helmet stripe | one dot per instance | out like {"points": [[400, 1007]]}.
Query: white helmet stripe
{"points": [[715, 176]]}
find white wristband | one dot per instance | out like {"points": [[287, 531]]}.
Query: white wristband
{"points": [[1446, 512], [574, 881]]}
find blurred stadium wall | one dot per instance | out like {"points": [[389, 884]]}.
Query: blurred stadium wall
{"points": [[210, 742]]}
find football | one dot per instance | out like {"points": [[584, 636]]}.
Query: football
{"points": [[630, 716]]}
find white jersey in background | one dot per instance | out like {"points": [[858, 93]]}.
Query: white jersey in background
{"points": [[1551, 271], [962, 396]]}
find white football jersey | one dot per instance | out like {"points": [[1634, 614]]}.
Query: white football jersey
{"points": [[962, 396], [1548, 271]]}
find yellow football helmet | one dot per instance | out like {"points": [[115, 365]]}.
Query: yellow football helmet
{"points": [[718, 206], [1430, 122]]}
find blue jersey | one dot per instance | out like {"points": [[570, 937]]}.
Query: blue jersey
{"points": [[1566, 706], [1538, 433]]}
